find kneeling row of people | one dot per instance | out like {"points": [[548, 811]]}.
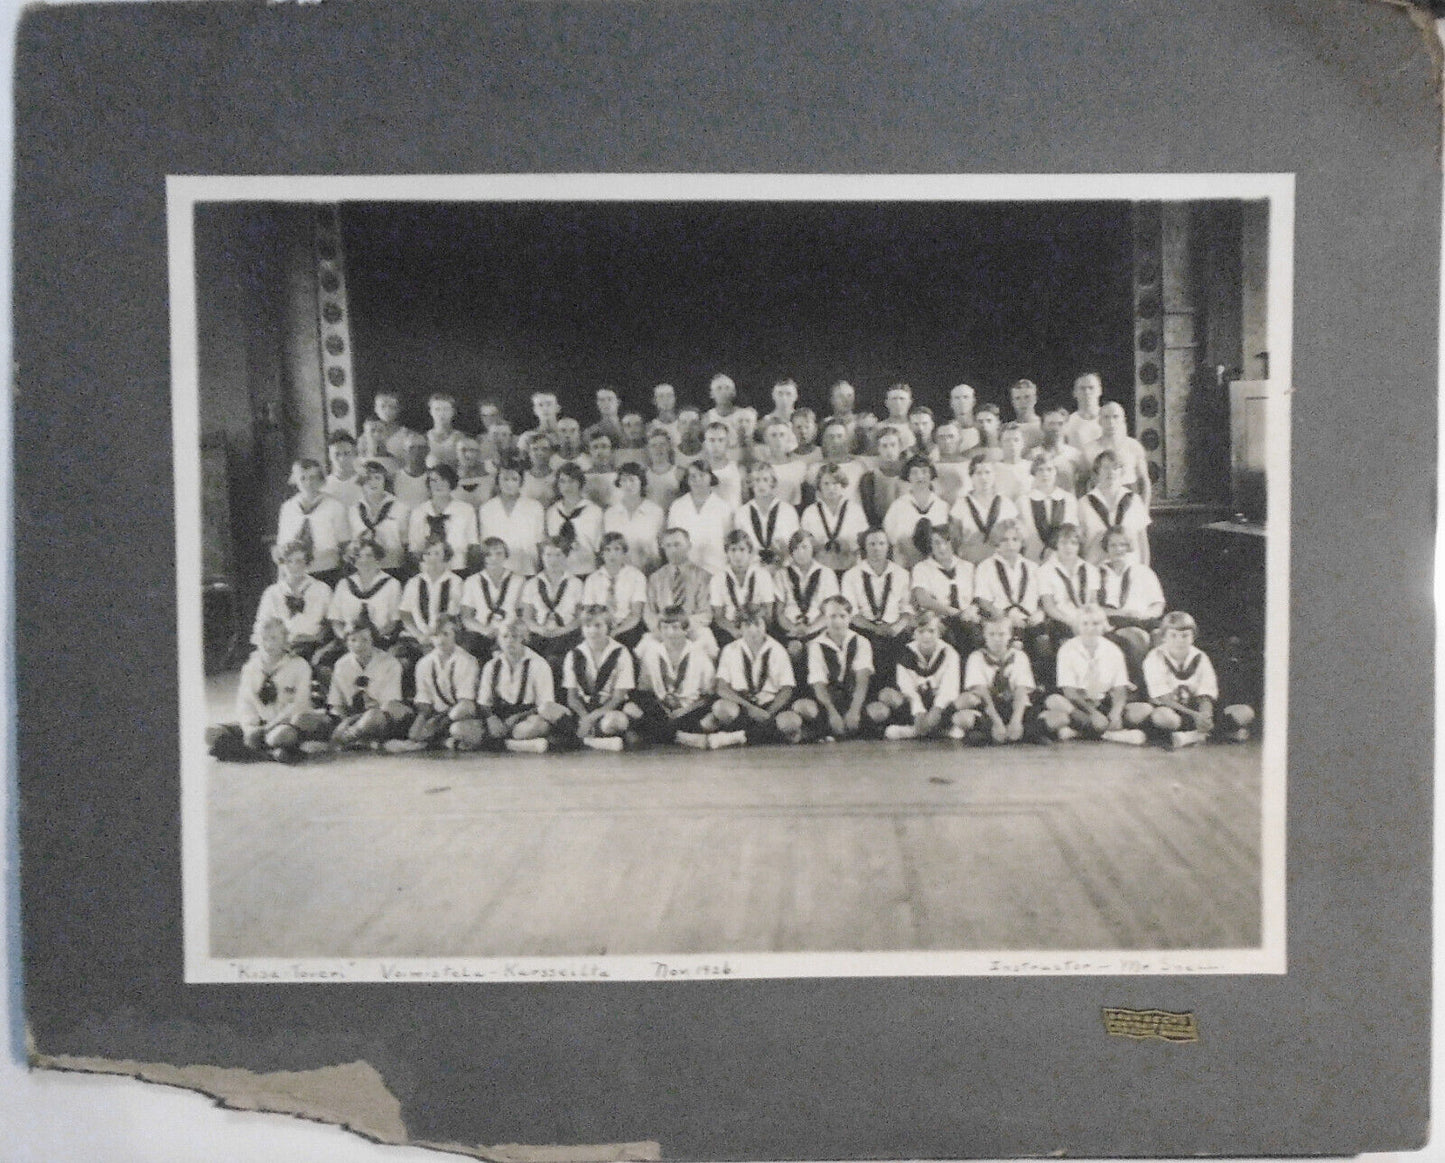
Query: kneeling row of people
{"points": [[672, 692]]}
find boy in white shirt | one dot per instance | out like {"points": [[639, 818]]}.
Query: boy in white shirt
{"points": [[475, 481], [676, 686], [717, 454], [601, 486], [441, 437], [1082, 427], [790, 473], [489, 598], [1183, 690], [316, 519], [961, 400], [446, 692], [739, 422], [343, 482], [598, 678], [898, 402], [1012, 471], [785, 403], [620, 588], [742, 585], [998, 686], [1092, 696], [927, 684], [755, 687], [878, 590], [838, 456], [273, 696], [410, 482], [1024, 399], [515, 696], [392, 433]]}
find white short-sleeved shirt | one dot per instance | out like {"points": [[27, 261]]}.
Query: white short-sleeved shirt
{"points": [[956, 592], [1133, 590], [348, 491], [427, 599], [707, 525], [803, 596], [489, 599], [528, 683], [834, 664], [676, 684], [383, 681], [1194, 679], [1097, 515], [586, 519], [1006, 586], [619, 594], [522, 529], [1081, 432], [1095, 672], [928, 682], [443, 684], [976, 520], [386, 524], [883, 597], [289, 693], [325, 525], [303, 609], [553, 603], [410, 490], [902, 519], [1011, 672], [1041, 515], [382, 600], [759, 677], [729, 483], [1071, 587], [770, 529], [597, 677], [643, 530], [458, 521], [839, 528], [729, 594]]}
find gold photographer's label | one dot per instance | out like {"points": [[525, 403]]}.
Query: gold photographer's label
{"points": [[1163, 1024]]}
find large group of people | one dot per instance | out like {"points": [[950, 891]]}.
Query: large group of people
{"points": [[716, 577]]}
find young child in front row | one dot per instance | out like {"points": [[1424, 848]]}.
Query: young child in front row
{"points": [[740, 586], [1092, 699], [446, 689], [273, 696], [755, 686], [927, 685], [675, 685], [1183, 689], [840, 677], [515, 696], [998, 687], [365, 696], [598, 678]]}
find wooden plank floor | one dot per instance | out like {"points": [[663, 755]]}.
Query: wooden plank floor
{"points": [[863, 846]]}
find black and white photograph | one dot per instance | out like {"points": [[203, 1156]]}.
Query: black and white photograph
{"points": [[652, 577]]}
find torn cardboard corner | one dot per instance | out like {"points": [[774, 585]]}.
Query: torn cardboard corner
{"points": [[351, 1096]]}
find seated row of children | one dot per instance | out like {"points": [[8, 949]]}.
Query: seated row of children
{"points": [[671, 691], [1041, 600]]}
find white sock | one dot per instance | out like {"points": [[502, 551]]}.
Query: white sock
{"points": [[1066, 733], [529, 746], [691, 739], [899, 732], [1185, 738], [603, 743], [1134, 738], [727, 739]]}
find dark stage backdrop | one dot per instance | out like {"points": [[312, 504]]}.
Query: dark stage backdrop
{"points": [[510, 298]]}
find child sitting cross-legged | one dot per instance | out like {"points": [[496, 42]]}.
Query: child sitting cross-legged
{"points": [[446, 689], [1183, 689], [1093, 687]]}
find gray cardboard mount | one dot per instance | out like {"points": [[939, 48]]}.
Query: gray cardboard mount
{"points": [[1330, 1058]]}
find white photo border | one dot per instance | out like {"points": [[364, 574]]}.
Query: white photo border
{"points": [[183, 192]]}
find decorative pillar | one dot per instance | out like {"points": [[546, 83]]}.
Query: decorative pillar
{"points": [[333, 324]]}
